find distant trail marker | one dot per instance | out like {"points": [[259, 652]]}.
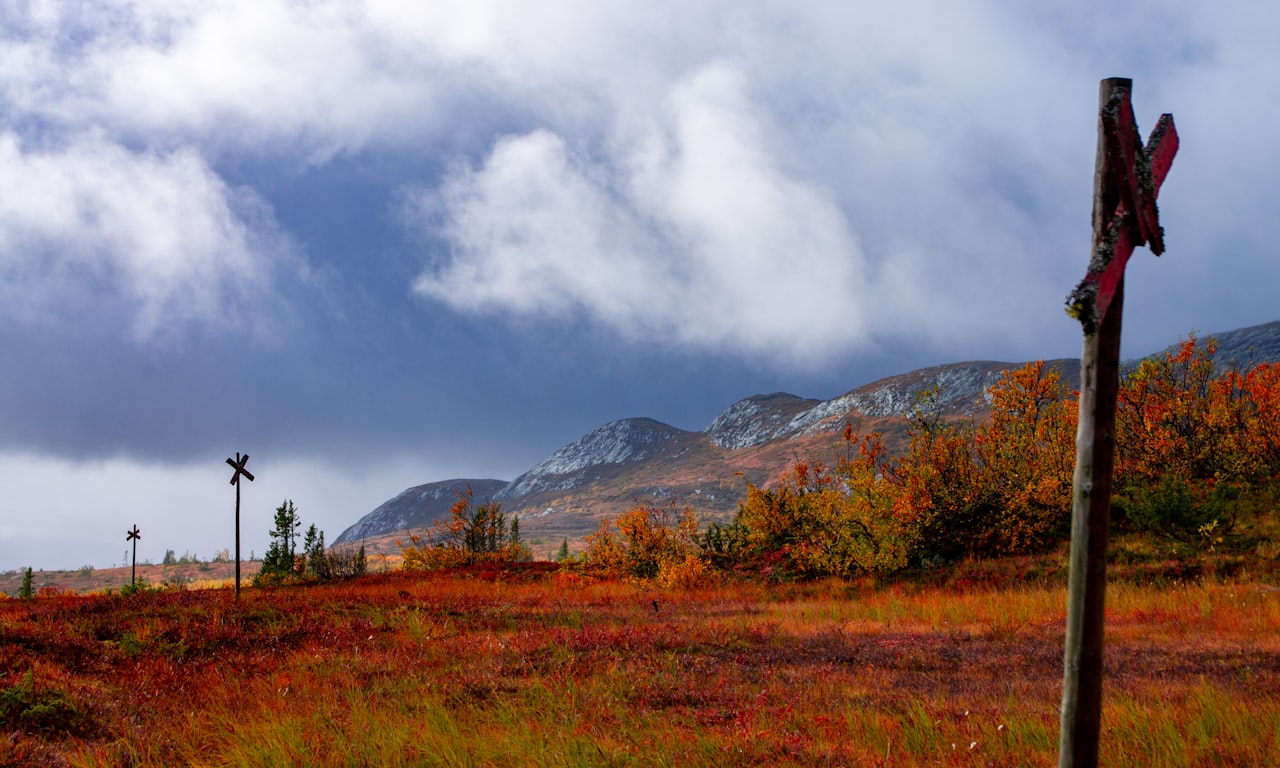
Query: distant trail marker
{"points": [[133, 536], [238, 465], [1127, 178]]}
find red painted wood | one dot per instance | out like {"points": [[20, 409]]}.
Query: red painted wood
{"points": [[238, 466], [1136, 219]]}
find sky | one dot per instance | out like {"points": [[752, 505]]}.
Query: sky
{"points": [[378, 244]]}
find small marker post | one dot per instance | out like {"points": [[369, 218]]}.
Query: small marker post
{"points": [[239, 471], [133, 535]]}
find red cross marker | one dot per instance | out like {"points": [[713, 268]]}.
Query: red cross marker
{"points": [[238, 466], [1136, 174]]}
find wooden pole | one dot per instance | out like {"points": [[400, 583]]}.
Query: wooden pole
{"points": [[133, 535], [1091, 495], [237, 536], [237, 465]]}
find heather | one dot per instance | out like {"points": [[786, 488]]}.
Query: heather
{"points": [[539, 664]]}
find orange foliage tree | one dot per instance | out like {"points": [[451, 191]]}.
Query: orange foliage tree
{"points": [[942, 499], [1192, 439], [1256, 439], [837, 521], [1027, 453], [650, 542]]}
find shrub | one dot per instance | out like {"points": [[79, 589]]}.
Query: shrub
{"points": [[818, 521], [49, 710], [346, 563], [1177, 509], [649, 542]]}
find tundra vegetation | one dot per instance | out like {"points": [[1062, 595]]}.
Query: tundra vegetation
{"points": [[885, 609]]}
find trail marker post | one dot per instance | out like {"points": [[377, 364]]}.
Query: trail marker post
{"points": [[133, 536], [1127, 178], [239, 471]]}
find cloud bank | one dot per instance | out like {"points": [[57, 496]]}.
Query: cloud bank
{"points": [[775, 182]]}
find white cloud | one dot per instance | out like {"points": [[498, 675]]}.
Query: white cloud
{"points": [[159, 232], [693, 234], [309, 80]]}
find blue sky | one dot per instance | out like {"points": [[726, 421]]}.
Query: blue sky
{"points": [[380, 244]]}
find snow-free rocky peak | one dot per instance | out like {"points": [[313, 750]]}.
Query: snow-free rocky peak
{"points": [[625, 440], [756, 420]]}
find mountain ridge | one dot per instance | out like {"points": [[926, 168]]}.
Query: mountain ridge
{"points": [[754, 440]]}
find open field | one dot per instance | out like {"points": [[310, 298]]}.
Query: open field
{"points": [[552, 668]]}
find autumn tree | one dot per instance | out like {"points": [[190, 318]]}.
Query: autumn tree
{"points": [[1192, 440], [650, 542], [1256, 437], [816, 520], [1027, 456], [473, 533]]}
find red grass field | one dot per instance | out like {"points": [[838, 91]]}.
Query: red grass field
{"points": [[537, 667]]}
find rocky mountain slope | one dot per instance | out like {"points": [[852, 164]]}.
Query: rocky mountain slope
{"points": [[1247, 347], [752, 441], [416, 508]]}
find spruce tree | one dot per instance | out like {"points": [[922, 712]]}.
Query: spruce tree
{"points": [[279, 560], [26, 591], [317, 563]]}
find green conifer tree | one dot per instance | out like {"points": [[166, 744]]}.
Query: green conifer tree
{"points": [[26, 591], [317, 563], [279, 560]]}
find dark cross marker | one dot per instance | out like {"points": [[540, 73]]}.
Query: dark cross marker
{"points": [[240, 471], [1126, 180], [133, 536]]}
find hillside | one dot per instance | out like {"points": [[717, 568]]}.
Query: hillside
{"points": [[416, 508], [754, 440]]}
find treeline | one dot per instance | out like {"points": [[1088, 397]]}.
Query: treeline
{"points": [[1196, 445]]}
